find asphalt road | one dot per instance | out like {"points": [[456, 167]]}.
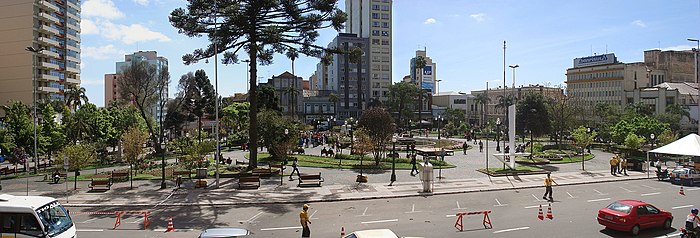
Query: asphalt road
{"points": [[514, 214]]}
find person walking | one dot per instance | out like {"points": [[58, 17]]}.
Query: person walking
{"points": [[481, 146], [413, 164], [623, 166], [305, 221], [548, 187], [295, 168], [613, 165], [464, 147]]}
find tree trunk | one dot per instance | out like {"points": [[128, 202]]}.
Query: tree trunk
{"points": [[75, 181], [253, 98], [359, 84], [347, 77], [131, 176], [199, 128]]}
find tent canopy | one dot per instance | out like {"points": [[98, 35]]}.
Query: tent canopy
{"points": [[688, 145]]}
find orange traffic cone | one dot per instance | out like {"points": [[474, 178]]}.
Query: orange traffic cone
{"points": [[549, 212], [170, 224], [342, 231], [539, 214], [681, 192]]}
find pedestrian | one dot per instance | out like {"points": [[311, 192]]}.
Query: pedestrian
{"points": [[464, 147], [623, 166], [305, 221], [548, 187], [295, 168], [613, 165], [481, 146], [413, 163], [506, 151]]}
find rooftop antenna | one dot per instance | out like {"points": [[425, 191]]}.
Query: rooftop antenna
{"points": [[606, 48], [591, 49], [659, 45]]}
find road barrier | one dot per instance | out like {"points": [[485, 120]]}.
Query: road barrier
{"points": [[342, 231], [486, 221], [146, 220], [171, 227]]}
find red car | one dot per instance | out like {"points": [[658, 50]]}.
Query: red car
{"points": [[633, 215]]}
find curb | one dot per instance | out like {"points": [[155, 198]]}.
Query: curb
{"points": [[418, 194]]}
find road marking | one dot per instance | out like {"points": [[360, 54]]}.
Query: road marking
{"points": [[91, 230], [89, 220], [528, 207], [649, 187], [380, 221], [629, 191], [512, 229], [679, 207], [281, 228], [499, 204], [413, 209], [253, 218], [451, 215], [364, 214], [536, 198], [692, 189], [599, 193], [176, 230], [458, 207], [570, 195], [598, 200], [649, 194]]}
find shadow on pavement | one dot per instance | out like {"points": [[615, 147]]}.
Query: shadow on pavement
{"points": [[651, 232]]}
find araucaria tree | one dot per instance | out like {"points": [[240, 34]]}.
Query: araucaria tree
{"points": [[379, 126], [260, 28]]}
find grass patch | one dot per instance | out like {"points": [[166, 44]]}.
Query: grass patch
{"points": [[572, 159], [350, 162]]}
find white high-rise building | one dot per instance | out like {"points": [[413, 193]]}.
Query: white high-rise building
{"points": [[372, 19]]}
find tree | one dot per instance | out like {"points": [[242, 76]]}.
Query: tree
{"points": [[134, 140], [455, 116], [292, 54], [19, 125], [419, 65], [333, 97], [259, 27], [200, 97], [583, 138], [79, 156], [51, 131], [272, 132], [145, 85], [634, 142], [639, 125], [563, 111], [196, 154], [6, 143], [292, 93], [124, 117], [532, 115], [267, 99], [402, 97], [379, 127], [235, 120], [74, 97], [482, 99]]}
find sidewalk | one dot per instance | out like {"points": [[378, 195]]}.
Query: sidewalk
{"points": [[271, 192]]}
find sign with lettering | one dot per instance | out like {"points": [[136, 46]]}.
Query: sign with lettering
{"points": [[594, 60]]}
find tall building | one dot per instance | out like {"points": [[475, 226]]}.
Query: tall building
{"points": [[426, 77], [352, 97], [111, 80], [53, 27], [372, 19]]}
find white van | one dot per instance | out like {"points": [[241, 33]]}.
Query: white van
{"points": [[34, 216]]}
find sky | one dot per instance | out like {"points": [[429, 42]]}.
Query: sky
{"points": [[464, 37]]}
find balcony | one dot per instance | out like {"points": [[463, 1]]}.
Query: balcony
{"points": [[49, 53], [73, 48], [48, 65], [49, 89], [71, 58], [75, 17], [73, 70], [73, 5], [72, 37], [48, 29], [48, 17], [74, 27], [73, 81], [49, 41], [48, 6], [48, 77]]}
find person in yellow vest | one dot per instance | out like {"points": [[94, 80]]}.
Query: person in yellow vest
{"points": [[548, 187], [613, 165], [623, 166], [305, 221]]}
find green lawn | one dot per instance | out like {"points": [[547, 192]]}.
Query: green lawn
{"points": [[351, 163], [517, 169]]}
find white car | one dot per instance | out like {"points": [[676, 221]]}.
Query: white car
{"points": [[224, 233], [377, 233]]}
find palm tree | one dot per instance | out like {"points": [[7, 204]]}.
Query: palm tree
{"points": [[334, 98], [73, 96], [292, 93], [292, 54], [482, 99], [418, 65], [356, 57]]}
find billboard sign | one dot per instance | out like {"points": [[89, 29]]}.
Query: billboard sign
{"points": [[428, 73], [594, 60], [427, 85]]}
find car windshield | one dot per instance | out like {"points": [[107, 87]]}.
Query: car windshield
{"points": [[616, 206], [55, 218]]}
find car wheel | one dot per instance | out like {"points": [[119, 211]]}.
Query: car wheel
{"points": [[635, 230], [667, 224]]}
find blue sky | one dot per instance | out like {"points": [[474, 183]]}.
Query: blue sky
{"points": [[464, 37]]}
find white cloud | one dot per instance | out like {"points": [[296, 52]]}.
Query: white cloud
{"points": [[479, 17], [129, 34], [430, 21], [84, 81], [102, 52], [141, 2], [100, 8], [88, 27], [639, 23]]}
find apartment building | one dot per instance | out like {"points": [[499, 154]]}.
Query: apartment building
{"points": [[52, 30]]}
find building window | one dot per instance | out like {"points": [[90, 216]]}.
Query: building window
{"points": [[385, 33], [375, 33], [385, 24], [386, 8], [375, 15], [375, 41], [375, 7], [375, 24]]}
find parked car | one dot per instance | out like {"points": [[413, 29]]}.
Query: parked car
{"points": [[224, 233], [633, 216], [685, 176], [376, 233]]}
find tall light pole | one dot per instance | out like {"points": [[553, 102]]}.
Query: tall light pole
{"points": [[498, 132], [505, 106], [438, 86], [438, 119], [216, 93], [393, 160], [514, 67], [34, 52], [697, 80]]}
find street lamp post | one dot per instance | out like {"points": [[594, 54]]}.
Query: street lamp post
{"points": [[438, 119], [217, 157], [498, 132], [695, 53], [393, 160], [514, 67], [286, 132], [34, 89], [438, 86], [583, 150]]}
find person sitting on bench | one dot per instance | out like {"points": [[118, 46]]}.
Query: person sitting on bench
{"points": [[56, 176]]}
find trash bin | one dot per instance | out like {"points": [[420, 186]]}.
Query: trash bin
{"points": [[427, 177], [201, 173]]}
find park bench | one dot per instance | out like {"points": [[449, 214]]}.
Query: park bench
{"points": [[182, 172], [5, 171], [249, 181], [308, 178], [102, 184], [119, 176], [279, 167], [263, 172]]}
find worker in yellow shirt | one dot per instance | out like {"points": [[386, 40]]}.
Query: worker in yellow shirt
{"points": [[613, 164], [548, 187], [305, 221]]}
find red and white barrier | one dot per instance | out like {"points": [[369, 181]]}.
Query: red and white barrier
{"points": [[486, 220]]}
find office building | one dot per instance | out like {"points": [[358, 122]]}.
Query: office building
{"points": [[424, 78], [53, 28]]}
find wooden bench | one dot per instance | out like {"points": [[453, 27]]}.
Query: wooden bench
{"points": [[117, 176], [103, 184], [307, 178], [279, 167], [5, 171], [182, 172], [241, 162], [263, 172], [249, 181]]}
